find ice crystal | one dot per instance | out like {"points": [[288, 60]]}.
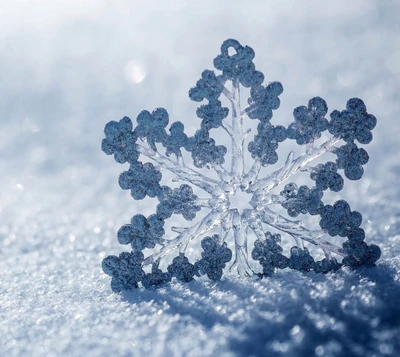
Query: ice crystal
{"points": [[214, 213]]}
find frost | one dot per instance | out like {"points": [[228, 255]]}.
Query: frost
{"points": [[214, 213]]}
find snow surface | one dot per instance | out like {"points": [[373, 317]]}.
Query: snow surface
{"points": [[68, 67]]}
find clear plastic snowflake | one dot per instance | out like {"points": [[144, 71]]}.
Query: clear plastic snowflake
{"points": [[213, 219]]}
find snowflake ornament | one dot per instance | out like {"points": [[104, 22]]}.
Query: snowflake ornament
{"points": [[212, 218]]}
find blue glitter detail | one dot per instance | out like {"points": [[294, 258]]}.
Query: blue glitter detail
{"points": [[142, 180], [214, 258], [178, 201], [126, 270], [354, 123], [309, 121], [120, 141]]}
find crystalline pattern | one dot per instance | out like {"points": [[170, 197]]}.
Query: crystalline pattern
{"points": [[214, 213]]}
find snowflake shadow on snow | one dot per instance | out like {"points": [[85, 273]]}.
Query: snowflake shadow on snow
{"points": [[341, 313]]}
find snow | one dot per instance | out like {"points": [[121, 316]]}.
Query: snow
{"points": [[67, 68]]}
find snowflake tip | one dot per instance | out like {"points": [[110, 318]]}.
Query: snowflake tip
{"points": [[326, 176], [302, 200], [340, 220], [124, 234], [354, 123], [126, 270], [212, 114], [157, 278], [309, 121], [214, 258], [351, 158], [177, 140], [209, 86], [300, 259], [141, 179], [152, 126], [265, 143], [263, 100], [120, 141], [181, 268], [238, 66], [269, 254], [361, 254], [326, 265], [180, 200], [204, 151], [110, 264]]}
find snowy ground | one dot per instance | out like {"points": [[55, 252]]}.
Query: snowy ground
{"points": [[68, 67]]}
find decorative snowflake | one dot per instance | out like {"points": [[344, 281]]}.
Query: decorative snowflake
{"points": [[215, 218]]}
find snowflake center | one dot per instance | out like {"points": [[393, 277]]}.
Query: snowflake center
{"points": [[240, 200]]}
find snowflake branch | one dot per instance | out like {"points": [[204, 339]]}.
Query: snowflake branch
{"points": [[226, 92], [211, 220], [252, 175], [243, 112], [227, 128], [239, 225], [295, 229], [257, 228], [202, 202], [309, 148], [223, 174], [276, 199], [226, 226], [179, 169], [291, 167], [237, 135]]}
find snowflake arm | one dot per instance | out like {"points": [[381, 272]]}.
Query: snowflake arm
{"points": [[227, 94], [237, 134], [209, 222], [252, 175], [295, 229], [180, 170], [291, 167], [239, 225], [354, 123]]}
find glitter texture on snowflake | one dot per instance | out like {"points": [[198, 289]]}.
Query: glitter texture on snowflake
{"points": [[213, 219]]}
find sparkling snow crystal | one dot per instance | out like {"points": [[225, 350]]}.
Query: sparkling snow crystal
{"points": [[212, 218]]}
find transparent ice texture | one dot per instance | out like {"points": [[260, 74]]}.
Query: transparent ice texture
{"points": [[214, 211]]}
